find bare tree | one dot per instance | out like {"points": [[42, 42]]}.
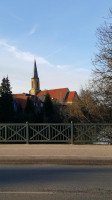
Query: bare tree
{"points": [[84, 108], [102, 81]]}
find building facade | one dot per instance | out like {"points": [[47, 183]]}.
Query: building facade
{"points": [[60, 95]]}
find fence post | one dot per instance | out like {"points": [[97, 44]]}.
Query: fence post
{"points": [[95, 133], [72, 133], [5, 132], [27, 133], [49, 133]]}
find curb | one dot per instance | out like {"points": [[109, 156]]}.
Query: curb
{"points": [[55, 162]]}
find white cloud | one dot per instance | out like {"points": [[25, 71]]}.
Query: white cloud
{"points": [[33, 30], [63, 66], [26, 56]]}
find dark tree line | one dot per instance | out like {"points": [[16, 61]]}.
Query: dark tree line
{"points": [[48, 113], [84, 109], [6, 101]]}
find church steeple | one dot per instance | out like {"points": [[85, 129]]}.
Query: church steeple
{"points": [[35, 74], [35, 85]]}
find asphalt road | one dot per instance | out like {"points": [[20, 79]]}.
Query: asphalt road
{"points": [[55, 182]]}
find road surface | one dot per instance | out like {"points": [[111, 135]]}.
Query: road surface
{"points": [[46, 182]]}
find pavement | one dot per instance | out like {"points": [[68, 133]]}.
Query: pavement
{"points": [[63, 154]]}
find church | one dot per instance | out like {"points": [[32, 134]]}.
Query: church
{"points": [[61, 95]]}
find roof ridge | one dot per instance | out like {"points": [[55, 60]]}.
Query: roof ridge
{"points": [[53, 89]]}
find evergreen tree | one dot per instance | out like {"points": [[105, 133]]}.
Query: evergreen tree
{"points": [[29, 112], [29, 108], [6, 101], [48, 109]]}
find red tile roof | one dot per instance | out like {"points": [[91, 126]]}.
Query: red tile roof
{"points": [[21, 99], [58, 94], [71, 96], [61, 95]]}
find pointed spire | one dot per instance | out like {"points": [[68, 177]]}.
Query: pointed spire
{"points": [[35, 74]]}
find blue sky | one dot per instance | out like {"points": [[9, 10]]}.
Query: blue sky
{"points": [[60, 34]]}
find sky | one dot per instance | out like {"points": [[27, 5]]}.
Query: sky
{"points": [[59, 34]]}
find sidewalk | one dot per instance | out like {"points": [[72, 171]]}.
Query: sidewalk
{"points": [[65, 154]]}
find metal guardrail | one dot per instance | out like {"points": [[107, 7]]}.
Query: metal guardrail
{"points": [[73, 133]]}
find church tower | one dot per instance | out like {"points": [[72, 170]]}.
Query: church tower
{"points": [[35, 85]]}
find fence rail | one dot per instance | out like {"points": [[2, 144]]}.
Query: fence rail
{"points": [[74, 133]]}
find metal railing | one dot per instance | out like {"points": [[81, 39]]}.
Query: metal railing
{"points": [[73, 133]]}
